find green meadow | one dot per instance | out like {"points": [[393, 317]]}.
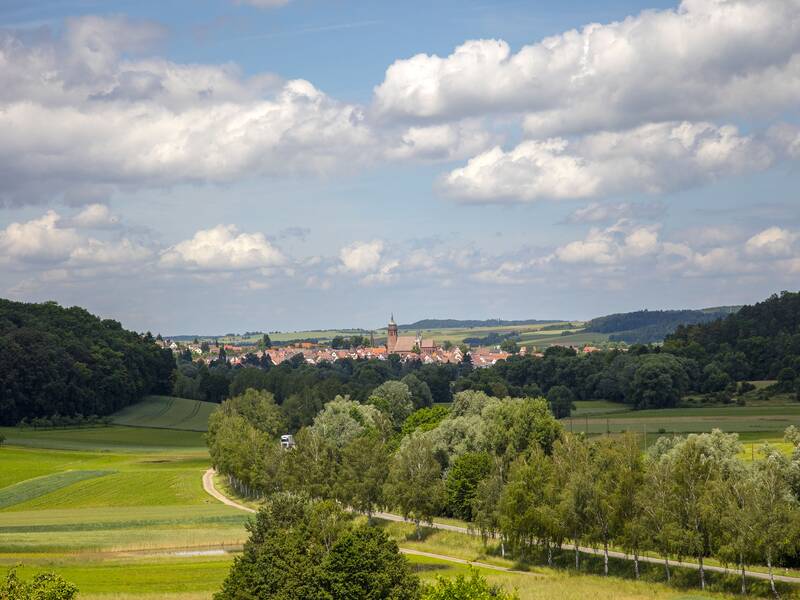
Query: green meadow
{"points": [[166, 412]]}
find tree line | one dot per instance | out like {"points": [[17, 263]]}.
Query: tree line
{"points": [[506, 466], [66, 361]]}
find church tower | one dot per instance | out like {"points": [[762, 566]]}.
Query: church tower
{"points": [[391, 337]]}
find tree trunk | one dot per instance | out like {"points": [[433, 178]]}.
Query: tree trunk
{"points": [[744, 579], [502, 547], [577, 555], [771, 576], [419, 531], [549, 554], [636, 563], [702, 573], [666, 567], [605, 557]]}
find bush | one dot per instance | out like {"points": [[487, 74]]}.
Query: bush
{"points": [[44, 586], [472, 587]]}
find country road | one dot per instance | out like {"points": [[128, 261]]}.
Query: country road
{"points": [[208, 486]]}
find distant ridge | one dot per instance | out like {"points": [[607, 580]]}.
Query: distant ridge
{"points": [[458, 323], [648, 326]]}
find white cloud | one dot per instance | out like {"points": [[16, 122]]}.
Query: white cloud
{"points": [[706, 59], [361, 257], [99, 252], [653, 158], [771, 242], [450, 141], [95, 216], [38, 240], [222, 248]]}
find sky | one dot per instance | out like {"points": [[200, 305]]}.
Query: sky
{"points": [[215, 166]]}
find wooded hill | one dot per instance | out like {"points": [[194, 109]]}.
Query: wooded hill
{"points": [[649, 326], [67, 361], [758, 342]]}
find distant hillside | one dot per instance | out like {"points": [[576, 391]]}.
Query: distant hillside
{"points": [[66, 361], [464, 324], [761, 341], [648, 326]]}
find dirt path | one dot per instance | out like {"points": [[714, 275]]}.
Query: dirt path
{"points": [[208, 486]]}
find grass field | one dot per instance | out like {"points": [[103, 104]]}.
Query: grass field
{"points": [[142, 494], [165, 412], [105, 439]]}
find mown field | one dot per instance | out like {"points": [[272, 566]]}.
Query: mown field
{"points": [[166, 412]]}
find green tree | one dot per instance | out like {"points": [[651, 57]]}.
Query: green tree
{"points": [[573, 479], [466, 587], [343, 419], [365, 467], [775, 509], [561, 401], [421, 396], [365, 564], [425, 419], [528, 513], [415, 481], [249, 378], [486, 507], [393, 398], [44, 586], [463, 477]]}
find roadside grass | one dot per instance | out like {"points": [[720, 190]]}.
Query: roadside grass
{"points": [[165, 412], [30, 489], [104, 439]]}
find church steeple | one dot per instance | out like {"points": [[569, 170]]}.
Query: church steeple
{"points": [[391, 334]]}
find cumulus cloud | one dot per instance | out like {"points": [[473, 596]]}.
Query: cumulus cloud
{"points": [[89, 110], [361, 257], [222, 248], [95, 216], [704, 60], [611, 245], [771, 242], [652, 158], [38, 240], [50, 240]]}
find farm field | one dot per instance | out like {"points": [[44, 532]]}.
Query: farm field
{"points": [[115, 438], [166, 412]]}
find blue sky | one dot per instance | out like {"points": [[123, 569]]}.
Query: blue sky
{"points": [[218, 166]]}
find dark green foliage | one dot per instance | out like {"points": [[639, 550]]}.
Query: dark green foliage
{"points": [[758, 342], [561, 401], [421, 395], [301, 548], [248, 378], [425, 419], [44, 586], [467, 472], [648, 326], [366, 564], [67, 361]]}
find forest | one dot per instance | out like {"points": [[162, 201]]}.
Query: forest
{"points": [[66, 361], [650, 326]]}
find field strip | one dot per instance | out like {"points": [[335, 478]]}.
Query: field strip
{"points": [[39, 486], [462, 561], [208, 486]]}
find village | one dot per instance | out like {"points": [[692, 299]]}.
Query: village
{"points": [[406, 347]]}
